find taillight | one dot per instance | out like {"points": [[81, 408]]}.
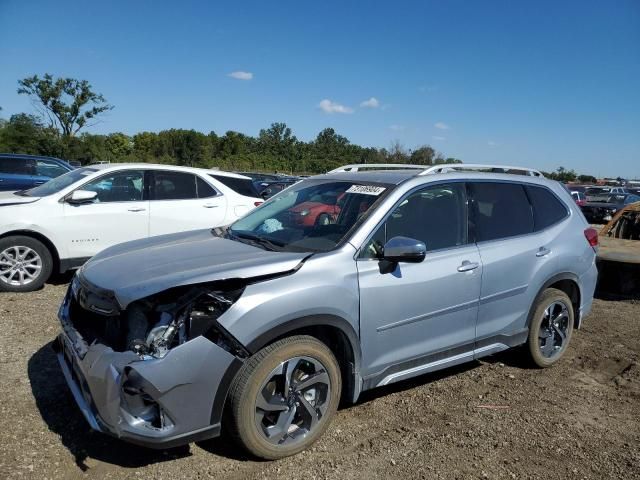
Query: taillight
{"points": [[581, 203], [257, 204], [591, 234]]}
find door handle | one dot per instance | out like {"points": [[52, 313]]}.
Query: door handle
{"points": [[39, 182], [468, 266], [543, 252], [210, 205], [137, 209]]}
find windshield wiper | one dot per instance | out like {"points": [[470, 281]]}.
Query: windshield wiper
{"points": [[22, 193], [258, 241]]}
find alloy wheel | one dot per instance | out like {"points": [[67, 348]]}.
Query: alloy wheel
{"points": [[554, 328], [292, 400], [19, 265]]}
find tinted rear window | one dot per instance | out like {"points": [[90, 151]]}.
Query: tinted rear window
{"points": [[501, 210], [242, 186], [17, 166], [547, 209], [204, 189], [174, 186]]}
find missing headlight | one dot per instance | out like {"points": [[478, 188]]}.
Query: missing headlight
{"points": [[156, 325]]}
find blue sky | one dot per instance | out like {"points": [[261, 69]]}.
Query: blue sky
{"points": [[539, 83]]}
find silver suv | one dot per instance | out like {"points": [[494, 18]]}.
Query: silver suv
{"points": [[341, 283]]}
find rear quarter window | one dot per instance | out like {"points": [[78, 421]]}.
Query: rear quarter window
{"points": [[547, 208]]}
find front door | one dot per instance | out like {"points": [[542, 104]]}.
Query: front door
{"points": [[119, 213], [420, 315]]}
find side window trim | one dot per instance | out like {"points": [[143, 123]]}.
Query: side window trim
{"points": [[383, 221]]}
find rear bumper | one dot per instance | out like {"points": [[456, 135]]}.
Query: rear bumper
{"points": [[157, 403]]}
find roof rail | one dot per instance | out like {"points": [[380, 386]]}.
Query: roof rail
{"points": [[377, 166], [452, 167]]}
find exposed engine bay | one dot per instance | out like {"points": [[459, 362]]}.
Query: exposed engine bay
{"points": [[152, 326]]}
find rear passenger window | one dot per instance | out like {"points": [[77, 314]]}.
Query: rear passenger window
{"points": [[547, 209], [174, 186], [501, 210], [204, 189]]}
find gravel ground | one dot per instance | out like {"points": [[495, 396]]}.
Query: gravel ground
{"points": [[490, 419]]}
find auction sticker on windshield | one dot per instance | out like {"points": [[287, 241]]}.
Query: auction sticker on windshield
{"points": [[366, 189]]}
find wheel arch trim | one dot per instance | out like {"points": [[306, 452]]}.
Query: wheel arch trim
{"points": [[558, 277], [317, 321]]}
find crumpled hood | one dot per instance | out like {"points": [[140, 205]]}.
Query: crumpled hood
{"points": [[9, 198], [137, 269]]}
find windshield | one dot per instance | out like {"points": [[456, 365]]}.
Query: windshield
{"points": [[312, 216], [59, 183]]}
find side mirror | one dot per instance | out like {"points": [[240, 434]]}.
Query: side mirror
{"points": [[82, 196], [403, 249]]}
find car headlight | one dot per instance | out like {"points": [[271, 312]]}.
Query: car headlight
{"points": [[304, 213]]}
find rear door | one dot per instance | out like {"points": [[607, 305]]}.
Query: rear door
{"points": [[420, 313], [516, 254], [182, 201], [119, 213]]}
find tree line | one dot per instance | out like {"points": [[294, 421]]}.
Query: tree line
{"points": [[67, 106]]}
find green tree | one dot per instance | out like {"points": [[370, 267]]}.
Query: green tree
{"points": [[587, 179], [67, 103], [118, 146], [424, 155]]}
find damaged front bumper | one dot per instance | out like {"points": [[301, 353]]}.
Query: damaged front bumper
{"points": [[157, 402]]}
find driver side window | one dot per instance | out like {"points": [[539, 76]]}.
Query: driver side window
{"points": [[435, 215]]}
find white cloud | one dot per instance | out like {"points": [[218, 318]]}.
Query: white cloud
{"points": [[491, 143], [371, 103], [327, 106], [441, 126], [396, 128], [438, 137], [240, 75]]}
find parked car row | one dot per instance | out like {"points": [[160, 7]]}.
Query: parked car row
{"points": [[600, 203], [60, 224], [267, 185], [341, 283]]}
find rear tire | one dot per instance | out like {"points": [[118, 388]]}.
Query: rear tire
{"points": [[550, 328], [25, 264], [284, 397]]}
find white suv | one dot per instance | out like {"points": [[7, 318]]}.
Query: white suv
{"points": [[62, 223]]}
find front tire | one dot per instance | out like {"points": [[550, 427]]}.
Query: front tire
{"points": [[284, 397], [550, 328], [25, 264]]}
